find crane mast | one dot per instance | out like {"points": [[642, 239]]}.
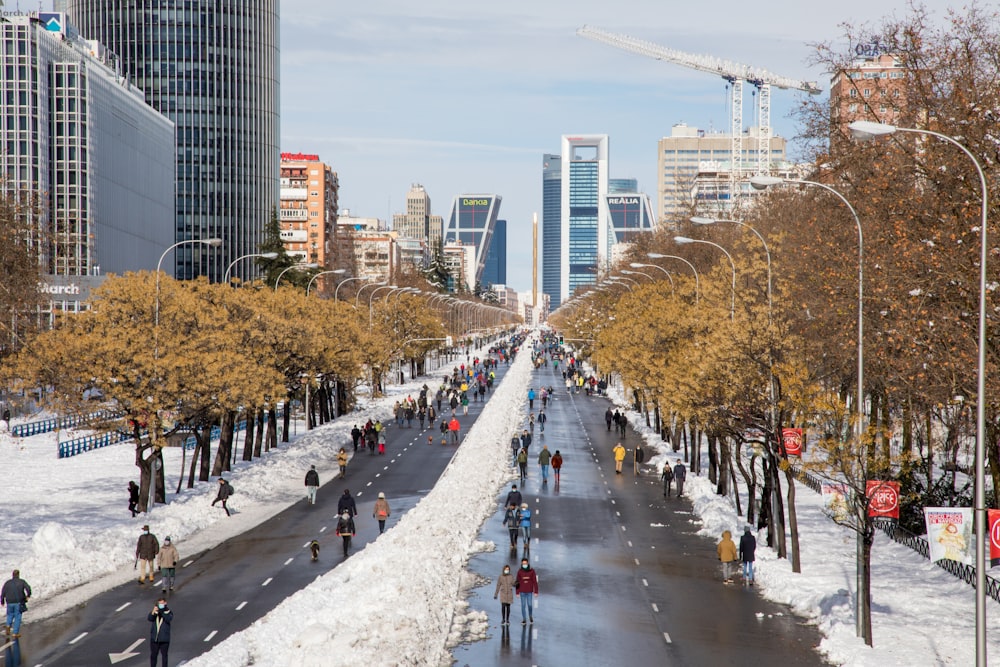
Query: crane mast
{"points": [[733, 72]]}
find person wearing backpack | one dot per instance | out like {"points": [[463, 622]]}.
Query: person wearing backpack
{"points": [[668, 477], [345, 530], [225, 490], [638, 456], [381, 512]]}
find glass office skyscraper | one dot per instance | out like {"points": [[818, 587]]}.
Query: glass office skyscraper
{"points": [[212, 68], [551, 226], [472, 222], [586, 241], [495, 270]]}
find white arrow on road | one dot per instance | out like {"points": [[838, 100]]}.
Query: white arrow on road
{"points": [[130, 652]]}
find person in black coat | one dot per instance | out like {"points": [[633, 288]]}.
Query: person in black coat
{"points": [[159, 631], [514, 497], [748, 546], [133, 498], [346, 504]]}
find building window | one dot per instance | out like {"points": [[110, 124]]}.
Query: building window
{"points": [[853, 93], [867, 92]]}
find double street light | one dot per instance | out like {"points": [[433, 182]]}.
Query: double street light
{"points": [[697, 280], [685, 240], [311, 265], [323, 273], [767, 251], [213, 243], [264, 255], [865, 130]]}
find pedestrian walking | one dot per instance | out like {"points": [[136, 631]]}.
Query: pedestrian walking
{"points": [[15, 594], [381, 512], [623, 424], [525, 521], [513, 497], [312, 483], [133, 498], [544, 459], [526, 586], [525, 439], [542, 418], [166, 562], [668, 477], [225, 490], [515, 445], [619, 453], [454, 429], [356, 436], [345, 530], [512, 519], [505, 590], [557, 461], [748, 547], [531, 399], [522, 462], [608, 418], [146, 549], [159, 631], [347, 504], [342, 463], [727, 555], [680, 474], [638, 457]]}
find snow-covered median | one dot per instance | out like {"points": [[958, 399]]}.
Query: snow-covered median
{"points": [[394, 602]]}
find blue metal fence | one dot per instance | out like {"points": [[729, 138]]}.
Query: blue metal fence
{"points": [[88, 442], [48, 425]]}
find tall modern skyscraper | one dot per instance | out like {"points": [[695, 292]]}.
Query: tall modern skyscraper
{"points": [[551, 227], [471, 223], [418, 223], [585, 231], [80, 137], [495, 270], [212, 68]]}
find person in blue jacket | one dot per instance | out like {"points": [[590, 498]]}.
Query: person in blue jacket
{"points": [[526, 523]]}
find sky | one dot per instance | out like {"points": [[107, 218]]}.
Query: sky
{"points": [[46, 532], [465, 97]]}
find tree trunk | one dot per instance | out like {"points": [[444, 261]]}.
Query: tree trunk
{"points": [[867, 537], [713, 458], [793, 523], [259, 437], [159, 479], [224, 453], [194, 459], [272, 428], [722, 487], [750, 478], [286, 417], [248, 435]]}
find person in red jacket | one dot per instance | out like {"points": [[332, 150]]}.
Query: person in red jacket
{"points": [[454, 428], [526, 584]]}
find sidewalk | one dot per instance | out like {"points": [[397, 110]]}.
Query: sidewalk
{"points": [[622, 573]]}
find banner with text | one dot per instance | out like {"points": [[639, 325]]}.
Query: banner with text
{"points": [[883, 499], [835, 500], [993, 517], [949, 533], [792, 440]]}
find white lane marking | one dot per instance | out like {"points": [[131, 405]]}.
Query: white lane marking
{"points": [[655, 608], [618, 513], [377, 475], [667, 637], [630, 543], [241, 605], [645, 583], [320, 530], [366, 486], [187, 563], [78, 637], [123, 606], [211, 634], [267, 581], [636, 561], [623, 529], [289, 561], [306, 545], [392, 461], [613, 502], [387, 467]]}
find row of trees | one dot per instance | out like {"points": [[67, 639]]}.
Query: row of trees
{"points": [[729, 366]]}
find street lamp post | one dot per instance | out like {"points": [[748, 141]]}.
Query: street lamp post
{"points": [[767, 251], [697, 280], [378, 285], [265, 255], [867, 130], [347, 280], [372, 296], [212, 243], [322, 273], [643, 273], [311, 265], [732, 308]]}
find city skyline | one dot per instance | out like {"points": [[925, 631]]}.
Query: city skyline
{"points": [[468, 98]]}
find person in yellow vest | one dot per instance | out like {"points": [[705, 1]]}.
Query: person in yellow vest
{"points": [[619, 453], [727, 555]]}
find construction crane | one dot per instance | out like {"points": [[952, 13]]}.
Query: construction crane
{"points": [[735, 74]]}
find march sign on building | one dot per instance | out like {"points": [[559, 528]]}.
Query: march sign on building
{"points": [[949, 533]]}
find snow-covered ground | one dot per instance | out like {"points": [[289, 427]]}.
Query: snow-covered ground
{"points": [[68, 531]]}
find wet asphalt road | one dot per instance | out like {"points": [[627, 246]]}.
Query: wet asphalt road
{"points": [[623, 577], [225, 589]]}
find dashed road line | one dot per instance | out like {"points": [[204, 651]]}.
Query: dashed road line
{"points": [[645, 583], [636, 561], [187, 563], [655, 608], [210, 635], [267, 581], [241, 605], [667, 637], [123, 606], [289, 561], [78, 637], [323, 529]]}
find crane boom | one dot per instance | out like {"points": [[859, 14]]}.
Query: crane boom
{"points": [[735, 74], [727, 69]]}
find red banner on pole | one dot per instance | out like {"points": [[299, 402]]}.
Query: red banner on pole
{"points": [[883, 499], [994, 520], [791, 438]]}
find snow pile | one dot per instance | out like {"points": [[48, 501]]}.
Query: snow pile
{"points": [[396, 602]]}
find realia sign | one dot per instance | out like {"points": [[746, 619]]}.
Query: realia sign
{"points": [[883, 499]]}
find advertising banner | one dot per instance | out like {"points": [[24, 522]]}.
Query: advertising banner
{"points": [[949, 533], [883, 499], [993, 517], [792, 440]]}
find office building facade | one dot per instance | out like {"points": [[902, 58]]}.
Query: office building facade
{"points": [[552, 226], [418, 222], [212, 68], [472, 222], [584, 230], [495, 269], [81, 137]]}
